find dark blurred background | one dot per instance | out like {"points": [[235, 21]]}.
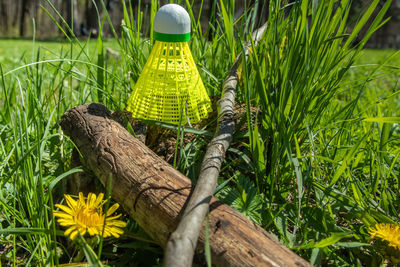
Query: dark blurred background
{"points": [[18, 17]]}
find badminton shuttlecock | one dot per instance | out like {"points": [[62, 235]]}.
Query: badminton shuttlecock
{"points": [[170, 87]]}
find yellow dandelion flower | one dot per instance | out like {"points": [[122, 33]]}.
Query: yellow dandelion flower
{"points": [[86, 216], [386, 232]]}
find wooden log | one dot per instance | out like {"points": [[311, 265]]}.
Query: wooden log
{"points": [[154, 194]]}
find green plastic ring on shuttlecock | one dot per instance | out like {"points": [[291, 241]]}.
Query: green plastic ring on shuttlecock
{"points": [[170, 87]]}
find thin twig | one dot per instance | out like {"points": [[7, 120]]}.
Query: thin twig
{"points": [[182, 243]]}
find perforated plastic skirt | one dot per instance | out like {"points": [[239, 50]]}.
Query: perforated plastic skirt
{"points": [[169, 87]]}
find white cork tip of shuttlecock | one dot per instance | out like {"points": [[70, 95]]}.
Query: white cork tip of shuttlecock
{"points": [[172, 19]]}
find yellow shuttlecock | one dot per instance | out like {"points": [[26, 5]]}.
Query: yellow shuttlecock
{"points": [[170, 87]]}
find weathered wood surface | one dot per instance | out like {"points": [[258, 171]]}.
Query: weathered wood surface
{"points": [[154, 193]]}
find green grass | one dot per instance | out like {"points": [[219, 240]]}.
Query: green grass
{"points": [[314, 160], [14, 50]]}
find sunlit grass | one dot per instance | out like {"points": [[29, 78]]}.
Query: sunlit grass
{"points": [[315, 159], [18, 50]]}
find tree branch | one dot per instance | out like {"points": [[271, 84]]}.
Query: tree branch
{"points": [[183, 242]]}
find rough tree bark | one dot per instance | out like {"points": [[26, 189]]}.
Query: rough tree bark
{"points": [[24, 10], [3, 16], [92, 12], [71, 9], [154, 193], [182, 243]]}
